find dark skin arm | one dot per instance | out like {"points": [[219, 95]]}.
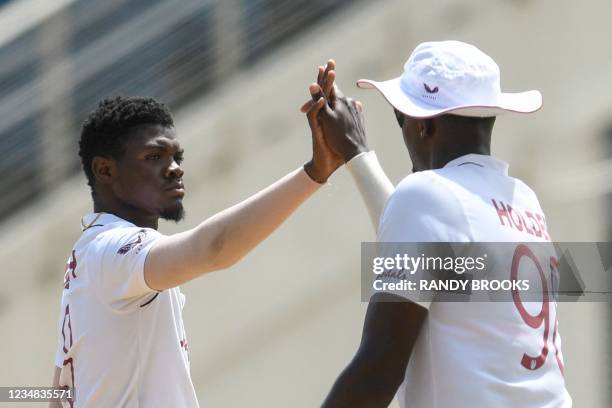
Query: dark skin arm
{"points": [[371, 379], [392, 324]]}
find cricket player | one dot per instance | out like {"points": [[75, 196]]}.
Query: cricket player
{"points": [[440, 355], [122, 341]]}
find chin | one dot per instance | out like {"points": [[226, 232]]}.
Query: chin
{"points": [[174, 213]]}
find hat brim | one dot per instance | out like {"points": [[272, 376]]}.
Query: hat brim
{"points": [[520, 102]]}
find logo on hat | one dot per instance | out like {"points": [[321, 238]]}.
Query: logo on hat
{"points": [[429, 90]]}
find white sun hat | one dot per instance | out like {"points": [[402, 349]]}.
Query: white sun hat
{"points": [[451, 77]]}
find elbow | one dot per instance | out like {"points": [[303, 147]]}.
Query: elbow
{"points": [[220, 257], [389, 376], [223, 254], [221, 264], [394, 379], [385, 373], [370, 380], [212, 254]]}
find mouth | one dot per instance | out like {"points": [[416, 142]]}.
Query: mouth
{"points": [[176, 189]]}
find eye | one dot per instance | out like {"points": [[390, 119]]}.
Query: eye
{"points": [[179, 159], [153, 157]]}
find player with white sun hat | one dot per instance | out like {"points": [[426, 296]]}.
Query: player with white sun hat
{"points": [[437, 354]]}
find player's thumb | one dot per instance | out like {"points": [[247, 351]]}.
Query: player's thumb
{"points": [[314, 111], [317, 93]]}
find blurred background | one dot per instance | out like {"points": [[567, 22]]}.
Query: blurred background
{"points": [[275, 330]]}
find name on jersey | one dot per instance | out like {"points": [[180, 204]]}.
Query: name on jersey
{"points": [[528, 222]]}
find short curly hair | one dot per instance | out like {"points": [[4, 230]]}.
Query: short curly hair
{"points": [[107, 128]]}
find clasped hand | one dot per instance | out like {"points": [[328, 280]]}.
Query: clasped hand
{"points": [[336, 124]]}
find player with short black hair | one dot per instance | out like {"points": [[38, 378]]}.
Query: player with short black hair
{"points": [[121, 337], [105, 130]]}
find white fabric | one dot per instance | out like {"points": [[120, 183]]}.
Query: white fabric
{"points": [[451, 77], [372, 182], [120, 342], [469, 354]]}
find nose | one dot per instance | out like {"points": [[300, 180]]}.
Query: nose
{"points": [[174, 170]]}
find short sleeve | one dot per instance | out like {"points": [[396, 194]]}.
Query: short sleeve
{"points": [[422, 209], [122, 253]]}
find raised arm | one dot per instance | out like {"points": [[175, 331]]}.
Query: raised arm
{"points": [[226, 237], [344, 131]]}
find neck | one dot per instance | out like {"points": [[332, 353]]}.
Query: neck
{"points": [[126, 212], [441, 157], [457, 136]]}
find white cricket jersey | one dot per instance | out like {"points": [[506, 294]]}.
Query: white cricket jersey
{"points": [[472, 354], [121, 344]]}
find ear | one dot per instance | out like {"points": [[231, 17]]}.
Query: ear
{"points": [[104, 170]]}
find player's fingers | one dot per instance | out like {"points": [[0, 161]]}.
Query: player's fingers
{"points": [[314, 111], [321, 69], [304, 108], [355, 105], [315, 91], [333, 95], [329, 83], [330, 66]]}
